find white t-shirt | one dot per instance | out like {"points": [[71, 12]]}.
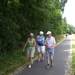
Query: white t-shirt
{"points": [[50, 41]]}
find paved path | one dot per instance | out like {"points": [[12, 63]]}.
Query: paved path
{"points": [[62, 53]]}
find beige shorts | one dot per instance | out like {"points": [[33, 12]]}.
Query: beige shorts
{"points": [[30, 52]]}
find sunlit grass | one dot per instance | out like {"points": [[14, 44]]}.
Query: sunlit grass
{"points": [[59, 38], [73, 54]]}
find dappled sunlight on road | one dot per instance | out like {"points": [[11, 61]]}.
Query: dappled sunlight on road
{"points": [[67, 50]]}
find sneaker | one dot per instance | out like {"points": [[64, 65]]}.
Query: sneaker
{"points": [[29, 66], [42, 59], [39, 60], [48, 66]]}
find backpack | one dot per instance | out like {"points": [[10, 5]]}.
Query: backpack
{"points": [[40, 41]]}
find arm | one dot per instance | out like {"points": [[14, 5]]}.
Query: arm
{"points": [[46, 44], [51, 46], [25, 45], [36, 38]]}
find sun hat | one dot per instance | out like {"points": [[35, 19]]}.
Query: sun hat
{"points": [[41, 32], [48, 32], [31, 34]]}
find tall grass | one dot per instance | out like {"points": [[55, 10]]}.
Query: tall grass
{"points": [[59, 38], [10, 62]]}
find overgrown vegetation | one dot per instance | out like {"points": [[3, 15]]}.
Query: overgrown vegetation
{"points": [[73, 54]]}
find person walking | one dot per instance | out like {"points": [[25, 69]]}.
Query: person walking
{"points": [[66, 36], [31, 43], [50, 43], [40, 45]]}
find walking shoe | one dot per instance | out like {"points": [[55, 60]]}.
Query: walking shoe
{"points": [[29, 66], [48, 66], [52, 65], [39, 60], [42, 59]]}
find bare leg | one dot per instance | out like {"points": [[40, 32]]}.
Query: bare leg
{"points": [[51, 60], [38, 55], [48, 60], [43, 55], [31, 60]]}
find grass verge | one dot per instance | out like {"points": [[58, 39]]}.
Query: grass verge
{"points": [[10, 62], [73, 54]]}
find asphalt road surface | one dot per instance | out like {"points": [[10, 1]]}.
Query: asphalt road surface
{"points": [[62, 52]]}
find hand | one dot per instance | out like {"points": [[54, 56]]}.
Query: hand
{"points": [[49, 46], [29, 45], [46, 45]]}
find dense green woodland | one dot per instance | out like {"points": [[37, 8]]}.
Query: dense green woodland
{"points": [[20, 17]]}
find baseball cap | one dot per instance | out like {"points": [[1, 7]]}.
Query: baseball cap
{"points": [[31, 34], [48, 32], [41, 32]]}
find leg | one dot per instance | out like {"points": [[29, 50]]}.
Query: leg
{"points": [[51, 61], [48, 62], [42, 52], [38, 56], [38, 47], [42, 55], [32, 54], [30, 62], [51, 57]]}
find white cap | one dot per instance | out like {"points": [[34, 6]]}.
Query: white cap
{"points": [[48, 32], [41, 32], [31, 34]]}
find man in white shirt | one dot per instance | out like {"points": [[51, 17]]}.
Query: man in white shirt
{"points": [[50, 43]]}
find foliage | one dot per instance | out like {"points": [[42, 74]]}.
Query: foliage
{"points": [[73, 54], [20, 17], [67, 28]]}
